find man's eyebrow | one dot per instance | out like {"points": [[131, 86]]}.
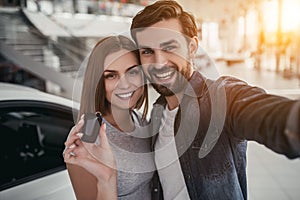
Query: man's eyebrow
{"points": [[168, 43], [160, 45]]}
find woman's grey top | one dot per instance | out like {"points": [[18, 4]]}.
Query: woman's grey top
{"points": [[135, 161]]}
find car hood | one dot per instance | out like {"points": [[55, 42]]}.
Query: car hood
{"points": [[18, 92]]}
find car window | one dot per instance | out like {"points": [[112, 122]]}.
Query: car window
{"points": [[32, 140]]}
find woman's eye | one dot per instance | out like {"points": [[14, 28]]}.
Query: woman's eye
{"points": [[110, 76], [133, 72]]}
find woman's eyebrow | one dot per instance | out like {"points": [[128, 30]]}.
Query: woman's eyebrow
{"points": [[144, 47], [114, 71], [109, 70], [133, 66]]}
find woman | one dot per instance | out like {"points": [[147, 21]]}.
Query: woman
{"points": [[121, 166]]}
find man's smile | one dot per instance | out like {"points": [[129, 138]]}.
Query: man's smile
{"points": [[164, 74]]}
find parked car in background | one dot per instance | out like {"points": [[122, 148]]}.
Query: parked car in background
{"points": [[33, 128]]}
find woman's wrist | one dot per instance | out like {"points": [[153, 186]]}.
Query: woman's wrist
{"points": [[107, 190]]}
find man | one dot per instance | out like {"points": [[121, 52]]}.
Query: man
{"points": [[203, 125]]}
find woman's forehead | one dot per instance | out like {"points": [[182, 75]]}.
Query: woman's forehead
{"points": [[120, 60]]}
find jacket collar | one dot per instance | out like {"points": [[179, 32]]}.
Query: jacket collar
{"points": [[196, 85]]}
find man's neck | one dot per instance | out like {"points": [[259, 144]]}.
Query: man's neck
{"points": [[174, 100]]}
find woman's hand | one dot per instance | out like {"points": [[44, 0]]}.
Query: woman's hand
{"points": [[97, 159]]}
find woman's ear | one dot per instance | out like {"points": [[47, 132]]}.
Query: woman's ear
{"points": [[193, 46]]}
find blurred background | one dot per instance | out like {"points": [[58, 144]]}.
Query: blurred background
{"points": [[262, 35], [43, 43]]}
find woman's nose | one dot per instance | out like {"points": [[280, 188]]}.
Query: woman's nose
{"points": [[123, 82]]}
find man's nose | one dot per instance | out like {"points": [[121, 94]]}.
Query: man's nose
{"points": [[160, 58]]}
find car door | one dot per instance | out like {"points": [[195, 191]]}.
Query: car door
{"points": [[32, 140]]}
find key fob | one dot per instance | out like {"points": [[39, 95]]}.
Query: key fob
{"points": [[90, 130]]}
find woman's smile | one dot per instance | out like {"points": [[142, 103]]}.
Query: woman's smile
{"points": [[125, 96]]}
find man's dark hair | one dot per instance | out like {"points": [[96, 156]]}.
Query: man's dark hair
{"points": [[161, 10]]}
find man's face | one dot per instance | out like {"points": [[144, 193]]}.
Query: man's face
{"points": [[165, 55]]}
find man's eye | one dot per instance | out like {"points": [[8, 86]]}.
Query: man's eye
{"points": [[169, 48], [146, 51]]}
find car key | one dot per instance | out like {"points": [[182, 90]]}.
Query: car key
{"points": [[91, 127]]}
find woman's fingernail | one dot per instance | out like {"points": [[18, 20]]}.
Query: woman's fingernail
{"points": [[80, 122], [79, 135], [72, 153], [72, 146], [82, 116]]}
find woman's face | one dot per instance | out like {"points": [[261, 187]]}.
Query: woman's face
{"points": [[123, 79]]}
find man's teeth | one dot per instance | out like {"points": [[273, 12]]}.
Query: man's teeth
{"points": [[126, 95], [164, 75]]}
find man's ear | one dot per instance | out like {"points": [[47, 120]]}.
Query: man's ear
{"points": [[193, 46]]}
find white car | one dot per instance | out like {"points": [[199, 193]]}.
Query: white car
{"points": [[33, 128]]}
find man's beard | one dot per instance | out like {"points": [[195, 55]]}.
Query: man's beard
{"points": [[177, 86]]}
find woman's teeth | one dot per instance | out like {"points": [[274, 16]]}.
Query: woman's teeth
{"points": [[125, 95]]}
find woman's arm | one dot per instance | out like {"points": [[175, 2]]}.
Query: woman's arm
{"points": [[84, 184]]}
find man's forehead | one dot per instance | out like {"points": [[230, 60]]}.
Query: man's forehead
{"points": [[155, 37]]}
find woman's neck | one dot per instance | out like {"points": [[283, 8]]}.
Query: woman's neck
{"points": [[121, 120]]}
